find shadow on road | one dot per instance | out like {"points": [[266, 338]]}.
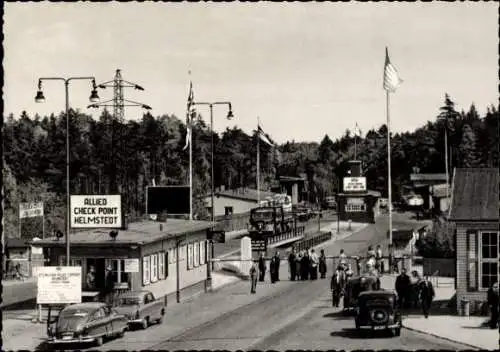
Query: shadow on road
{"points": [[439, 307], [338, 315], [349, 333]]}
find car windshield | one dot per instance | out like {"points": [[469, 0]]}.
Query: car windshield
{"points": [[69, 321], [129, 301], [262, 214]]}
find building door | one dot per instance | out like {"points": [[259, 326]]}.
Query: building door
{"points": [[100, 272]]}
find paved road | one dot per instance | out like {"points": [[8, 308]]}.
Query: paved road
{"points": [[286, 315]]}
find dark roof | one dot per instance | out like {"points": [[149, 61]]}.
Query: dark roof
{"points": [[16, 243], [244, 194], [475, 194], [428, 177], [291, 179], [361, 194], [137, 233]]}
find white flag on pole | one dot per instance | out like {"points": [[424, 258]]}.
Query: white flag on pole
{"points": [[391, 75], [263, 136]]}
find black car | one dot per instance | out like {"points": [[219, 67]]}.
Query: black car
{"points": [[378, 311]]}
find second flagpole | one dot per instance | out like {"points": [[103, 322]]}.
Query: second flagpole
{"points": [[258, 163], [389, 182]]}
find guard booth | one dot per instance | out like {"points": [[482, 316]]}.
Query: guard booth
{"points": [[356, 202]]}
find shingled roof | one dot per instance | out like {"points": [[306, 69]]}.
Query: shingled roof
{"points": [[475, 195]]}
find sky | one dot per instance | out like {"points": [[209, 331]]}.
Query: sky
{"points": [[304, 69]]}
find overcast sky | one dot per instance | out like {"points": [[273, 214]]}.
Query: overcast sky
{"points": [[305, 69]]}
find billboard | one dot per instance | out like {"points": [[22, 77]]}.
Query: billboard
{"points": [[174, 200], [59, 285], [96, 211], [30, 210], [354, 184]]}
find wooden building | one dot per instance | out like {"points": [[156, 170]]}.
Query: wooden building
{"points": [[147, 255], [474, 209]]}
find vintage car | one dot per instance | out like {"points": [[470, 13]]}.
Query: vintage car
{"points": [[85, 323], [378, 310], [355, 286], [141, 308]]}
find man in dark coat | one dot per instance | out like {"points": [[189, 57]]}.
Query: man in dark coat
{"points": [[298, 269], [426, 295], [304, 266], [253, 278], [337, 285], [493, 303], [314, 261], [262, 267], [292, 264], [322, 264], [277, 267], [109, 286], [402, 287], [272, 269]]}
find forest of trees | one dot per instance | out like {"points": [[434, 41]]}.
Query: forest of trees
{"points": [[108, 156]]}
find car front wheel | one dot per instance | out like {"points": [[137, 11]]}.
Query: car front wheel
{"points": [[144, 323], [99, 341]]}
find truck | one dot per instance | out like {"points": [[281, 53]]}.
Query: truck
{"points": [[270, 220]]}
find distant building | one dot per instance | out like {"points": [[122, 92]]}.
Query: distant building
{"points": [[432, 188], [474, 210], [235, 201], [295, 187]]}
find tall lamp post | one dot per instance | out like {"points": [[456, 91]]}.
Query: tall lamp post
{"points": [[40, 98], [229, 117]]}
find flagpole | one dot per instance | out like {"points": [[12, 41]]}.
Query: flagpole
{"points": [[190, 167], [258, 163], [389, 166], [355, 142]]}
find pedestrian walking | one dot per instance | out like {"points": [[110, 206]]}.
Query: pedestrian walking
{"points": [[322, 264], [379, 258], [493, 304], [402, 287], [292, 264], [277, 266], [108, 291], [337, 285], [304, 266], [253, 278], [298, 260], [314, 265], [272, 269], [413, 292], [262, 267], [426, 295]]}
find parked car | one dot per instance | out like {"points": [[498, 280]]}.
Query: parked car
{"points": [[378, 311], [85, 323], [141, 308]]}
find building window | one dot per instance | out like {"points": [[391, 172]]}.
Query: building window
{"points": [[118, 269], [196, 257], [202, 252], [145, 270], [353, 208], [190, 256], [161, 265], [228, 211], [154, 268], [489, 245]]}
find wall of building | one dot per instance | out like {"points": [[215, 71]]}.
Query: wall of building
{"points": [[466, 264], [239, 205]]}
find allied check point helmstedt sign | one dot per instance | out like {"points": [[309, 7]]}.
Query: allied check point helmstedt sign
{"points": [[96, 211]]}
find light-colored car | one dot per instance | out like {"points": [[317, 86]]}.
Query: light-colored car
{"points": [[141, 308], [86, 323]]}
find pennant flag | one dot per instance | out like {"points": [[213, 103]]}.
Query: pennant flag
{"points": [[263, 137], [357, 131], [189, 115], [391, 76], [154, 182]]}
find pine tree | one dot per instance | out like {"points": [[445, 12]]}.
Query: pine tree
{"points": [[467, 148]]}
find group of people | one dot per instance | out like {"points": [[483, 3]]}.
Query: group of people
{"points": [[414, 291]]}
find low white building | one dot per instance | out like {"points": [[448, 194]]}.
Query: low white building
{"points": [[235, 201]]}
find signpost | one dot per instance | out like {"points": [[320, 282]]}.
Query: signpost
{"points": [[31, 210], [354, 184], [259, 245], [59, 285], [90, 211]]}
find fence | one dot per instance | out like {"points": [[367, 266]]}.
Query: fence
{"points": [[298, 232], [445, 266], [312, 241], [232, 222]]}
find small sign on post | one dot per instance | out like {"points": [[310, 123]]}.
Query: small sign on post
{"points": [[259, 245], [30, 210], [59, 285], [96, 211], [132, 265]]}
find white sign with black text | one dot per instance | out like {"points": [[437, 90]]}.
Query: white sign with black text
{"points": [[354, 184], [96, 211], [59, 285], [30, 210], [132, 265]]}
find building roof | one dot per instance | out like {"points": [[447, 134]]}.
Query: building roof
{"points": [[136, 234], [362, 194], [291, 179], [475, 194], [247, 194], [428, 177]]}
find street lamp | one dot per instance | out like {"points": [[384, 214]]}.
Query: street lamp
{"points": [[40, 98], [229, 116]]}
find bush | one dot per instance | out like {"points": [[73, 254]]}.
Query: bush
{"points": [[439, 242]]}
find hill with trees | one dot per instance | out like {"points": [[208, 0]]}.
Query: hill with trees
{"points": [[108, 156]]}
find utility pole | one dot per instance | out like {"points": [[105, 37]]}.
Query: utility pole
{"points": [[118, 103]]}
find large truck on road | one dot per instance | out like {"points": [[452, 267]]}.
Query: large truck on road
{"points": [[270, 220]]}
